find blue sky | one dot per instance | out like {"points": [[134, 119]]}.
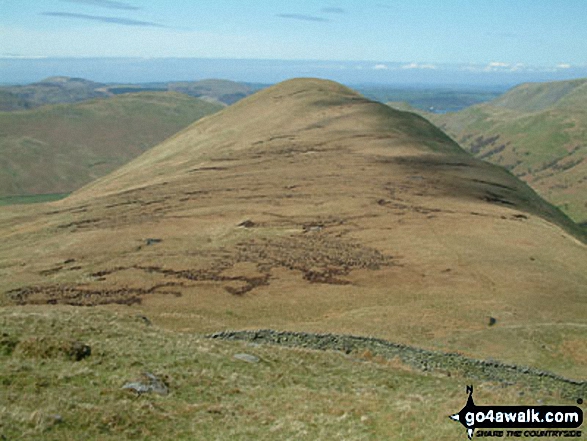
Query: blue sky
{"points": [[513, 32], [401, 41]]}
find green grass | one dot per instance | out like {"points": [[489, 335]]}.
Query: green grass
{"points": [[290, 394], [32, 198]]}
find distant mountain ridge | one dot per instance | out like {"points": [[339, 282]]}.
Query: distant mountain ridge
{"points": [[53, 90], [539, 132], [59, 90]]}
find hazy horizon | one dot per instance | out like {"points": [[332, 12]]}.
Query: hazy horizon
{"points": [[16, 70]]}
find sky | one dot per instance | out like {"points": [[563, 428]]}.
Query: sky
{"points": [[420, 35]]}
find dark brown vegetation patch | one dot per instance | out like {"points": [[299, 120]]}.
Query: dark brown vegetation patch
{"points": [[319, 257], [48, 347], [495, 198], [83, 296], [7, 343], [481, 142]]}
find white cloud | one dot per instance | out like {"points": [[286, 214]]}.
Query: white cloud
{"points": [[563, 66], [497, 64], [380, 67], [419, 66]]}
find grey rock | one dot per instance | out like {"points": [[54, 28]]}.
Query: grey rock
{"points": [[56, 418], [145, 319], [246, 224], [149, 384], [247, 357]]}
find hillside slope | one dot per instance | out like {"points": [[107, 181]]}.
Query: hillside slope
{"points": [[308, 207], [57, 149], [539, 133]]}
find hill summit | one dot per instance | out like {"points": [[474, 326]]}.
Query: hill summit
{"points": [[306, 206]]}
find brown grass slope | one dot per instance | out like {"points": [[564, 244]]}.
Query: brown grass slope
{"points": [[58, 149], [309, 207], [537, 131]]}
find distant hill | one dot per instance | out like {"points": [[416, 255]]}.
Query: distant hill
{"points": [[59, 90], [538, 132], [307, 207], [59, 148], [54, 90], [223, 91]]}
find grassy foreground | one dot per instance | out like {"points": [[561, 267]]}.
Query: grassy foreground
{"points": [[289, 394]]}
